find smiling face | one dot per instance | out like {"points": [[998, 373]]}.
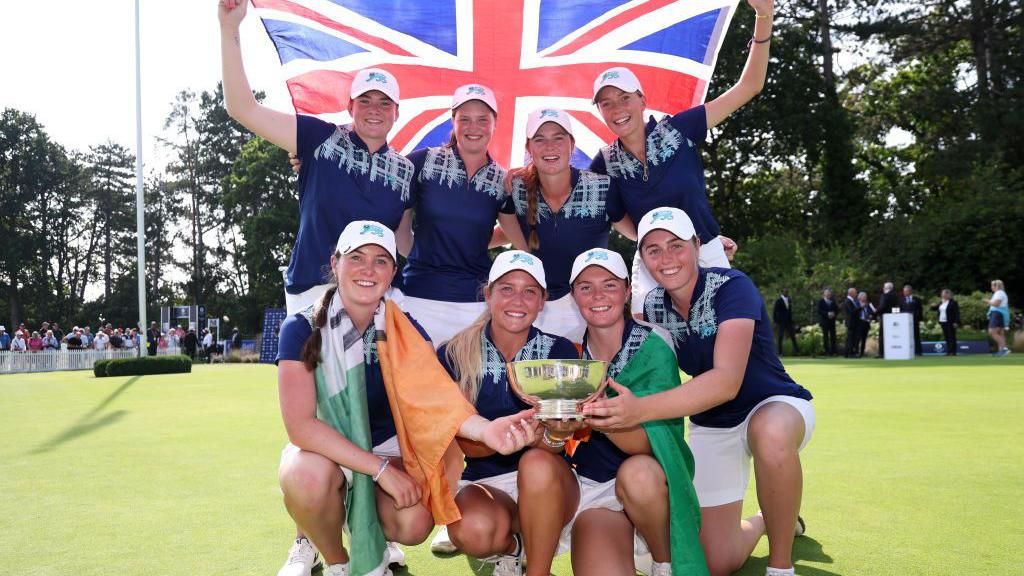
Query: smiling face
{"points": [[551, 148], [364, 275], [514, 301], [671, 261], [600, 296], [373, 115], [623, 112], [473, 123]]}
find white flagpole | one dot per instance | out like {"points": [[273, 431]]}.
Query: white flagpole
{"points": [[140, 203]]}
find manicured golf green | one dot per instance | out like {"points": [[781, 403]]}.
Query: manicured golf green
{"points": [[915, 468]]}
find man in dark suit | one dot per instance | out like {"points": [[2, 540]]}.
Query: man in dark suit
{"points": [[851, 312], [152, 338], [782, 317], [912, 305], [949, 319], [886, 303], [827, 312]]}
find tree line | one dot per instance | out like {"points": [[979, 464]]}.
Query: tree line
{"points": [[886, 146]]}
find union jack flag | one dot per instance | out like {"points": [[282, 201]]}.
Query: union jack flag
{"points": [[532, 53]]}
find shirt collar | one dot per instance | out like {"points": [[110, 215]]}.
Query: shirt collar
{"points": [[530, 336], [354, 136]]}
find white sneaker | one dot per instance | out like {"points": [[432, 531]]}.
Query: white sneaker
{"points": [[661, 569], [442, 544], [510, 565], [395, 554], [336, 570], [303, 558]]}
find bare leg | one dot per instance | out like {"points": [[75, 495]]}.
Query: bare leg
{"points": [[728, 540], [548, 497], [409, 526], [602, 544], [313, 489], [774, 435], [641, 487], [488, 522], [999, 338]]}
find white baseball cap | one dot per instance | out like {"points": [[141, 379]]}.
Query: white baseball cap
{"points": [[541, 116], [621, 78], [518, 260], [469, 92], [607, 259], [673, 220], [362, 232], [374, 79]]}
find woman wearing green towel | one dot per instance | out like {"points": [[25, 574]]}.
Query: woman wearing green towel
{"points": [[622, 484]]}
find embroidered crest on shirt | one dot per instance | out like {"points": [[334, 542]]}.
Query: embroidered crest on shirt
{"points": [[703, 322], [494, 366], [391, 168], [587, 199], [442, 165], [662, 144]]}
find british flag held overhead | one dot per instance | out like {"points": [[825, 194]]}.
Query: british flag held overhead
{"points": [[530, 52]]}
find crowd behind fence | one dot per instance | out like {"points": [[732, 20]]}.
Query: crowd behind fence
{"points": [[54, 360]]}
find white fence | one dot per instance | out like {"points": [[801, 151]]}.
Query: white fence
{"points": [[51, 360]]}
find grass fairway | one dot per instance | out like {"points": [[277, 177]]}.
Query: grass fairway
{"points": [[915, 468]]}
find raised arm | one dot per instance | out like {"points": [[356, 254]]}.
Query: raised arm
{"points": [[754, 72], [267, 123]]}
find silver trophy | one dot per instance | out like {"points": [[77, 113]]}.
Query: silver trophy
{"points": [[558, 388]]}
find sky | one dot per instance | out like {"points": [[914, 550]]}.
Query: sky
{"points": [[81, 84]]}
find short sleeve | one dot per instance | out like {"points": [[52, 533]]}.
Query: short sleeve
{"points": [[442, 357], [564, 349], [295, 330], [613, 202], [310, 132], [692, 123], [597, 164], [738, 298]]}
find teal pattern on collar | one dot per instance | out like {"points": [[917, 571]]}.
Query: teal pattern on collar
{"points": [[703, 322], [637, 336], [443, 165], [391, 168], [535, 348], [587, 199], [662, 144]]}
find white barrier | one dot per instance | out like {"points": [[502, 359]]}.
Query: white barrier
{"points": [[51, 360]]}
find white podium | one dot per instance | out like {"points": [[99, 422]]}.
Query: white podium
{"points": [[899, 336]]}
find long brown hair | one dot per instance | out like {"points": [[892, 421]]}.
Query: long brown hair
{"points": [[311, 349], [531, 181]]}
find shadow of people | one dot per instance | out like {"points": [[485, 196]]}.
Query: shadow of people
{"points": [[88, 422]]}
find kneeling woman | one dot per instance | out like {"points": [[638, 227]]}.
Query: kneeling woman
{"points": [[741, 402], [632, 477], [339, 420], [502, 496]]}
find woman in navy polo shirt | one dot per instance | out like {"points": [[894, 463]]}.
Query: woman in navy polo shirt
{"points": [[497, 493], [317, 466], [562, 211], [458, 191], [741, 402], [348, 172], [658, 163]]}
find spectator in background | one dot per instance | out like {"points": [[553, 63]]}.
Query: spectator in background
{"points": [[87, 337], [949, 319], [101, 341], [74, 340], [50, 342], [850, 312], [35, 343], [18, 344], [912, 305], [236, 340], [22, 330], [998, 317], [782, 317], [887, 303], [5, 339], [208, 343], [190, 341], [152, 339], [116, 340], [827, 312], [866, 314]]}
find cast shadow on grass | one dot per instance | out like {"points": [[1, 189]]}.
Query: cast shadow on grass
{"points": [[88, 422], [805, 549]]}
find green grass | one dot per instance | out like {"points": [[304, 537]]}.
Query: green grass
{"points": [[915, 468]]}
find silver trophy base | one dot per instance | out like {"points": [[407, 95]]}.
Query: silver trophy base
{"points": [[560, 409]]}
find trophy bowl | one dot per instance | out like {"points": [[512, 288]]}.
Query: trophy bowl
{"points": [[558, 388]]}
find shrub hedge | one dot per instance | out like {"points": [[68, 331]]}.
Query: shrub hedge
{"points": [[142, 366]]}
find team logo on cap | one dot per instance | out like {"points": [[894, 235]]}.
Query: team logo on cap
{"points": [[524, 258], [476, 90], [661, 215], [376, 77], [372, 229], [595, 255], [609, 76], [548, 113]]}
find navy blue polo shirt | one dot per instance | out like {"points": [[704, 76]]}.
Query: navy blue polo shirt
{"points": [[495, 397], [675, 171], [599, 458], [582, 223], [455, 216], [340, 181], [724, 294], [298, 327]]}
